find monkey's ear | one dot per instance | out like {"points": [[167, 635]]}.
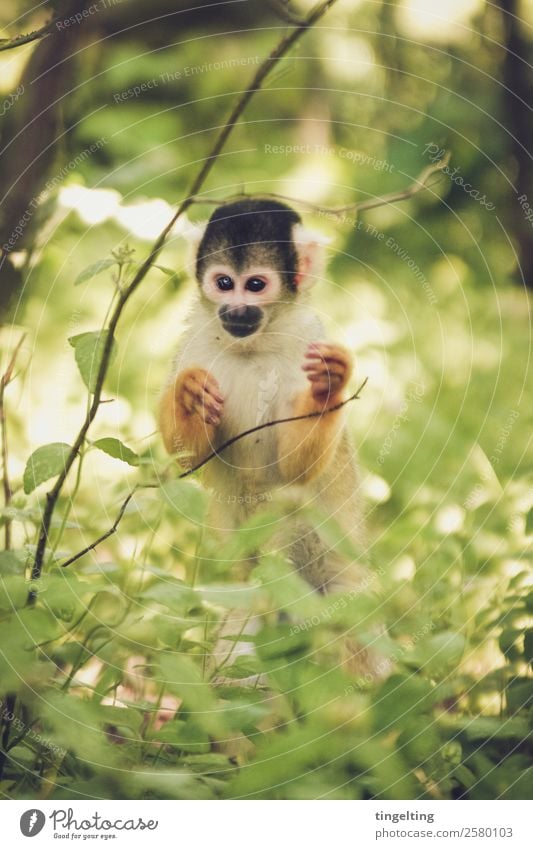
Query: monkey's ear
{"points": [[310, 246], [193, 233]]}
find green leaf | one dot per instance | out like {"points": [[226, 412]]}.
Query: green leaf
{"points": [[115, 448], [13, 592], [186, 498], [183, 677], [210, 763], [94, 269], [464, 776], [287, 590], [175, 595], [519, 694], [275, 642], [62, 594], [438, 654], [168, 271], [243, 596], [507, 642], [399, 699], [46, 462], [485, 727], [11, 563], [244, 667], [529, 522], [88, 350], [187, 736]]}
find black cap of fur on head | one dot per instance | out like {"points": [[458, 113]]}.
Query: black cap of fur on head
{"points": [[251, 231]]}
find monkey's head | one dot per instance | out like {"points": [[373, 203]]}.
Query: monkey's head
{"points": [[254, 256]]}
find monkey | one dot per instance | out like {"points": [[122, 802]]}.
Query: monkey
{"points": [[255, 351]]}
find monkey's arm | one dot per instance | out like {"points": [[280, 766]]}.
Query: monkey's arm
{"points": [[189, 413], [306, 448]]}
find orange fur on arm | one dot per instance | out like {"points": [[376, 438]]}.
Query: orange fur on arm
{"points": [[182, 430], [306, 448]]}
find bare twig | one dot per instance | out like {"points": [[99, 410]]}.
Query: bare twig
{"points": [[5, 380], [418, 185], [202, 463], [7, 720], [255, 84], [114, 526], [234, 439], [75, 7], [35, 35]]}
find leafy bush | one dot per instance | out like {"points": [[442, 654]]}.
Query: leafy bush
{"points": [[109, 687]]}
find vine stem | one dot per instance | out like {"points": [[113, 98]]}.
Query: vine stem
{"points": [[6, 718], [110, 531], [5, 380], [418, 184]]}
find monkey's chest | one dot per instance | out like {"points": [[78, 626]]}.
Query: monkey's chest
{"points": [[255, 396]]}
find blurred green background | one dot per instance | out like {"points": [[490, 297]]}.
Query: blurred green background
{"points": [[103, 125]]}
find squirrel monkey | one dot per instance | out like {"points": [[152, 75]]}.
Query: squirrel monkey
{"points": [[254, 351]]}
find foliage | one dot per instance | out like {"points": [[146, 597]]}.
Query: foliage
{"points": [[112, 664], [117, 694]]}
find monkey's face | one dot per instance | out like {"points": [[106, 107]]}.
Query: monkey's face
{"points": [[242, 298]]}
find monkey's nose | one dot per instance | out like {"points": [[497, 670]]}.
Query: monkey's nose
{"points": [[241, 320], [237, 312]]}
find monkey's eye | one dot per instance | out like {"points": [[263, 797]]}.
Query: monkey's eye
{"points": [[224, 283], [255, 284]]}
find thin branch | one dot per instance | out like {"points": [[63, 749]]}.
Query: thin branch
{"points": [[114, 526], [19, 40], [5, 380], [255, 84], [7, 720], [75, 7], [282, 10], [419, 184], [215, 453]]}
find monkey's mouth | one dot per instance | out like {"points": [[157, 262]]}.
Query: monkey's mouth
{"points": [[240, 321]]}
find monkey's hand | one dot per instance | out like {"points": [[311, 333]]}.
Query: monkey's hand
{"points": [[328, 368], [196, 392]]}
